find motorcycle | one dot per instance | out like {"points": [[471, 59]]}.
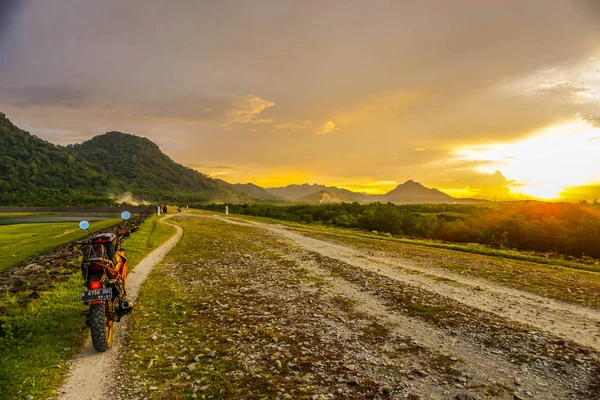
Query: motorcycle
{"points": [[104, 269]]}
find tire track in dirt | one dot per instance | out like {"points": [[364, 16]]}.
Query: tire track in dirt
{"points": [[480, 365], [91, 373], [578, 323]]}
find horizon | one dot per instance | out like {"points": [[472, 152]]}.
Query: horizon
{"points": [[472, 99]]}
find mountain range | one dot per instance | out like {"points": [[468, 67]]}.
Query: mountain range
{"points": [[102, 169], [409, 192]]}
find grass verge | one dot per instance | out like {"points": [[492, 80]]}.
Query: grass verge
{"points": [[39, 336]]}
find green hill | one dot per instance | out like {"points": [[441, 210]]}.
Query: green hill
{"points": [[135, 164], [35, 172]]}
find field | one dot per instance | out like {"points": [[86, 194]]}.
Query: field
{"points": [[22, 241]]}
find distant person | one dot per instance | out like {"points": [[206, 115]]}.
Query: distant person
{"points": [[179, 210], [165, 209]]}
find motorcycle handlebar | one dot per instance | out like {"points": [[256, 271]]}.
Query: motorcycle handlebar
{"points": [[126, 234]]}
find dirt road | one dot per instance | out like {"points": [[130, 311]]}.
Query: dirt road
{"points": [[580, 324], [530, 322], [90, 373]]}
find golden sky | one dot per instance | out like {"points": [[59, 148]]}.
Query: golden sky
{"points": [[494, 98]]}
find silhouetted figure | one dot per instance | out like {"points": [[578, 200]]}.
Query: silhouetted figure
{"points": [[165, 209]]}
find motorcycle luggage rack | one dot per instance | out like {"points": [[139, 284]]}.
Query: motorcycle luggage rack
{"points": [[95, 253]]}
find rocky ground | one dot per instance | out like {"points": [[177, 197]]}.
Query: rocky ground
{"points": [[245, 311]]}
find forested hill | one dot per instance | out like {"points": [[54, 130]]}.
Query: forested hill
{"points": [[136, 165], [35, 172]]}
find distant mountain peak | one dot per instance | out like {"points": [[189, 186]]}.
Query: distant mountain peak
{"points": [[414, 192]]}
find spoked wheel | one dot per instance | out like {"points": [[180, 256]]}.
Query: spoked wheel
{"points": [[101, 328]]}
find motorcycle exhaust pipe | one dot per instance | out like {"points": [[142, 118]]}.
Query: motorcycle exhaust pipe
{"points": [[125, 308]]}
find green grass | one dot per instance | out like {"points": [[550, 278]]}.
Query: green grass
{"points": [[152, 235], [42, 335], [20, 242]]}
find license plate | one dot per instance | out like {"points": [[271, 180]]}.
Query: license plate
{"points": [[93, 295]]}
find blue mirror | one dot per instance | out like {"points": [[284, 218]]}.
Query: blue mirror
{"points": [[125, 215], [84, 225]]}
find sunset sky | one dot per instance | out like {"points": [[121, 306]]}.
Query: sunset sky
{"points": [[485, 98]]}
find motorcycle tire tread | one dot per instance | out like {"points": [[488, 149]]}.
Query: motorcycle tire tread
{"points": [[97, 328]]}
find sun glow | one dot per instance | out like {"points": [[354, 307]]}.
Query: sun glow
{"points": [[543, 165]]}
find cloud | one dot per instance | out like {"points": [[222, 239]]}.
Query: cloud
{"points": [[291, 126], [210, 166], [377, 108], [224, 111], [56, 135], [566, 91], [43, 95], [593, 120], [326, 127], [572, 82], [577, 193], [244, 110], [480, 185], [214, 170]]}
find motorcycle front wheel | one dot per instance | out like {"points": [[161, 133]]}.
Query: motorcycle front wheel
{"points": [[101, 328]]}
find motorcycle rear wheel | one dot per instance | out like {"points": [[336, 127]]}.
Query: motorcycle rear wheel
{"points": [[101, 328]]}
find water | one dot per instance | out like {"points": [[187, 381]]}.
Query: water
{"points": [[35, 219]]}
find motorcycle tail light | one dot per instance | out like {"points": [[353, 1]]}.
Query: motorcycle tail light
{"points": [[95, 285]]}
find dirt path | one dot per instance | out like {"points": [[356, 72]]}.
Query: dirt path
{"points": [[477, 363], [90, 373], [578, 323]]}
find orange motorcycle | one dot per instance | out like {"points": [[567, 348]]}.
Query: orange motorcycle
{"points": [[104, 269]]}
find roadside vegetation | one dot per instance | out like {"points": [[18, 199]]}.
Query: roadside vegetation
{"points": [[20, 242], [47, 331], [552, 230]]}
